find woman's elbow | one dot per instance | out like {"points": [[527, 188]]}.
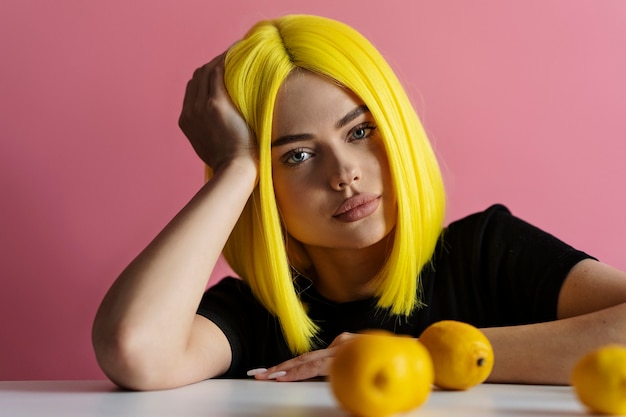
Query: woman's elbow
{"points": [[124, 360]]}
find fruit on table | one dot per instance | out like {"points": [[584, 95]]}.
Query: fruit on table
{"points": [[379, 374], [462, 355], [599, 380]]}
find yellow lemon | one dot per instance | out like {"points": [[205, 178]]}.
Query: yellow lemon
{"points": [[461, 353], [599, 379], [377, 375]]}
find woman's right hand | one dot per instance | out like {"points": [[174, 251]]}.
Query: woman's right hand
{"points": [[210, 120], [146, 333]]}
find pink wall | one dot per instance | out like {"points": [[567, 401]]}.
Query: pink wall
{"points": [[523, 100]]}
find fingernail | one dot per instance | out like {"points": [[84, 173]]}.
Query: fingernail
{"points": [[276, 374], [256, 371]]}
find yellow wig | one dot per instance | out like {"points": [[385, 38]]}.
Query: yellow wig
{"points": [[256, 250]]}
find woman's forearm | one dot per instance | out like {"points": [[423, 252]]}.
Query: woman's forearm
{"points": [[545, 353], [150, 308]]}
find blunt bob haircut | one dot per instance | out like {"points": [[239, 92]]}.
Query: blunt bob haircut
{"points": [[255, 68]]}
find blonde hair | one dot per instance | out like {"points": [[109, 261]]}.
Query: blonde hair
{"points": [[255, 69]]}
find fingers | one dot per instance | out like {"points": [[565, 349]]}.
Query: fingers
{"points": [[306, 366], [216, 78], [211, 122], [343, 338], [206, 74], [199, 86]]}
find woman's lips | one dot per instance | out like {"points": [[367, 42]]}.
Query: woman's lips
{"points": [[357, 207]]}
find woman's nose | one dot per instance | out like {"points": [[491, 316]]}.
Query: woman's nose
{"points": [[344, 172]]}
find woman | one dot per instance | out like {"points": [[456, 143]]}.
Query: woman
{"points": [[326, 198]]}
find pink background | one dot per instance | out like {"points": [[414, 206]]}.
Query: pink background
{"points": [[523, 100]]}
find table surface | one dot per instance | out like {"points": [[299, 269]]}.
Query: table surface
{"points": [[229, 397]]}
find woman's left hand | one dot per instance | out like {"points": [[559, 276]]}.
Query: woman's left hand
{"points": [[306, 366]]}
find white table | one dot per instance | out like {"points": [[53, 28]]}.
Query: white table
{"points": [[269, 398]]}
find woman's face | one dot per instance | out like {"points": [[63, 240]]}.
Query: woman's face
{"points": [[330, 171]]}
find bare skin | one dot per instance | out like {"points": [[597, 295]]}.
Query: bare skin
{"points": [[146, 334]]}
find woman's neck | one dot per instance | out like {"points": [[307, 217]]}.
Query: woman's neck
{"points": [[343, 275]]}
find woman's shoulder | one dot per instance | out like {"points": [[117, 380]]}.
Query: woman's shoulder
{"points": [[491, 213], [230, 292], [230, 283], [477, 224]]}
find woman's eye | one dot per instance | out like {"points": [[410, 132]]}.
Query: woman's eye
{"points": [[297, 157], [362, 132], [359, 133]]}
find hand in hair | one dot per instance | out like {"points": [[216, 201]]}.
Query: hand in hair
{"points": [[209, 119], [146, 334], [306, 366]]}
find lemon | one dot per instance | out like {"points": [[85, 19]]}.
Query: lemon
{"points": [[462, 355], [377, 375], [599, 380]]}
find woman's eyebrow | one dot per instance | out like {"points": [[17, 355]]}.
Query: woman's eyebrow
{"points": [[287, 139], [352, 114]]}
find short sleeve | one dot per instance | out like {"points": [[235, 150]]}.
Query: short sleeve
{"points": [[495, 269], [253, 333]]}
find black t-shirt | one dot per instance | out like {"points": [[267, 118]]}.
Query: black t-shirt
{"points": [[489, 269]]}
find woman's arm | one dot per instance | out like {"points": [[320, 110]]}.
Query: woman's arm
{"points": [[591, 313], [146, 333]]}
